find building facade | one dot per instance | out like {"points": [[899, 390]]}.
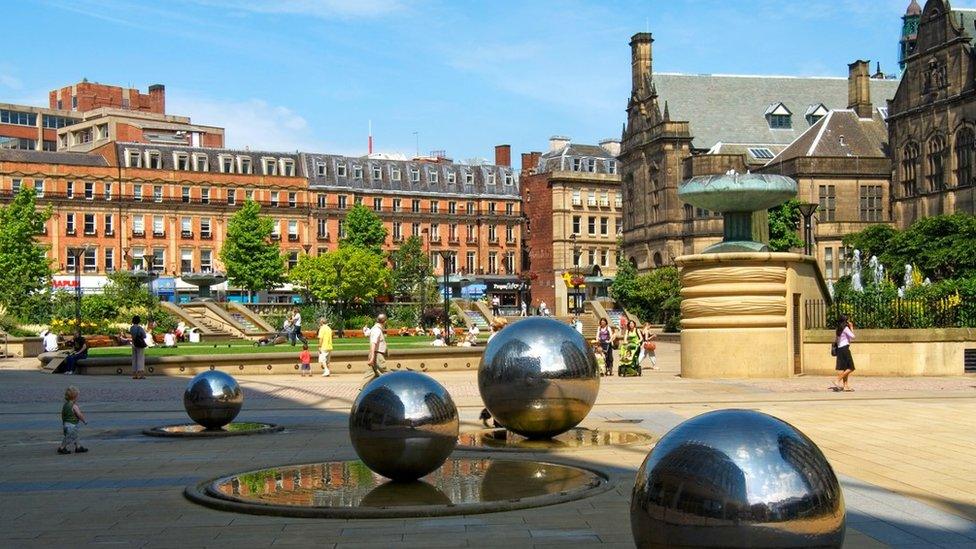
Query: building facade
{"points": [[572, 203], [932, 118], [679, 126]]}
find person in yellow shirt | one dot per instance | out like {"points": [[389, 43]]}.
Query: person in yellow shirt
{"points": [[325, 346]]}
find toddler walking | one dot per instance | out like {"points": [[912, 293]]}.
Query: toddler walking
{"points": [[70, 416], [306, 359]]}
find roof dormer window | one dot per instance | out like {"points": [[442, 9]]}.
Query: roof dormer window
{"points": [[270, 166], [779, 117], [201, 163], [341, 169], [133, 159], [154, 160], [321, 169], [244, 165], [182, 161], [815, 113], [287, 167], [432, 176], [226, 162]]}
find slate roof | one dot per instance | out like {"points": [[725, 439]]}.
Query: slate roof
{"points": [[730, 108], [47, 157], [967, 20], [562, 159], [213, 155], [863, 138], [435, 178]]}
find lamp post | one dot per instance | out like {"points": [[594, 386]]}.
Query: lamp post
{"points": [[150, 262], [445, 256], [807, 210], [423, 284], [342, 320], [569, 268]]}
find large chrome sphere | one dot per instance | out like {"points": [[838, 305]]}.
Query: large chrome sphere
{"points": [[538, 377], [403, 425], [213, 399], [736, 478]]}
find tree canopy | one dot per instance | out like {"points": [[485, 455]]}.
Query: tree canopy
{"points": [[347, 274], [25, 270], [653, 297], [411, 268], [784, 221], [363, 228], [252, 260]]}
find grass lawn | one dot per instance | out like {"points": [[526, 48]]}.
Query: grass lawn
{"points": [[240, 346]]}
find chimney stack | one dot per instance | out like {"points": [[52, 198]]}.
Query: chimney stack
{"points": [[503, 155], [530, 162], [557, 142], [157, 98], [640, 59], [859, 89]]}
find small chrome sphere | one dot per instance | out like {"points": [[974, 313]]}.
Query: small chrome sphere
{"points": [[403, 425], [736, 478], [213, 399], [538, 377]]}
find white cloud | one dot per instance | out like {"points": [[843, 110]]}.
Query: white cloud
{"points": [[324, 9]]}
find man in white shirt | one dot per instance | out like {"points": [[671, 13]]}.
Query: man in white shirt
{"points": [[50, 341], [377, 350]]}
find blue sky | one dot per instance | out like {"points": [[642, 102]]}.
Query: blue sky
{"points": [[307, 74]]}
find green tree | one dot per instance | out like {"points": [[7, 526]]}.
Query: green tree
{"points": [[943, 247], [873, 240], [364, 229], [624, 285], [350, 273], [25, 270], [784, 220], [659, 296], [411, 269], [253, 261], [124, 289]]}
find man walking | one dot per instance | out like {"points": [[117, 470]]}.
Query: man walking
{"points": [[377, 350], [296, 327], [325, 346]]}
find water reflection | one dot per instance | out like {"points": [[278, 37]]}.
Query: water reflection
{"points": [[578, 437], [348, 484]]}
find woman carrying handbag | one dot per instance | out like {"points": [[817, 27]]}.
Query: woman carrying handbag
{"points": [[841, 348], [648, 347]]}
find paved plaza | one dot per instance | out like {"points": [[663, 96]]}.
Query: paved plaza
{"points": [[905, 451]]}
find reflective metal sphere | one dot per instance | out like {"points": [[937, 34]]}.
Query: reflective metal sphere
{"points": [[538, 377], [736, 478], [213, 399], [403, 425]]}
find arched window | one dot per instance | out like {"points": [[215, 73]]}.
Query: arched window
{"points": [[965, 155], [936, 162], [658, 262], [909, 169]]}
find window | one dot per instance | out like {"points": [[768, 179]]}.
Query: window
{"points": [[577, 220], [591, 257], [69, 191], [18, 118], [394, 173], [186, 261], [322, 228], [435, 206], [206, 261], [432, 176], [605, 198], [492, 233], [133, 159], [936, 162], [90, 261], [292, 259], [109, 225], [470, 208], [469, 177], [472, 233], [89, 224], [154, 160], [158, 259], [510, 262], [491, 208], [56, 122], [138, 225], [244, 165], [828, 202], [780, 122], [509, 209], [591, 225], [205, 232], [452, 232], [510, 234], [909, 169], [74, 102], [396, 204], [205, 195], [274, 198], [15, 186], [157, 193], [181, 161], [69, 262], [201, 163], [109, 260], [341, 169], [249, 194], [89, 190], [452, 207], [321, 169], [435, 232], [604, 258], [414, 175], [107, 187], [287, 167], [620, 227], [50, 146], [138, 254], [415, 229], [377, 204], [965, 151], [377, 173], [470, 262], [871, 205], [320, 200], [357, 172], [490, 178], [292, 230], [509, 179], [435, 261], [159, 226], [342, 201], [611, 166], [186, 227], [829, 263], [577, 198], [226, 163], [492, 262], [577, 164], [397, 231], [292, 199], [185, 195], [760, 153], [577, 254], [231, 196], [415, 206], [357, 200], [604, 226], [276, 230], [591, 199], [618, 201], [270, 166], [451, 177]]}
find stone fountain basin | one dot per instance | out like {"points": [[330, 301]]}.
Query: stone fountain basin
{"points": [[737, 193], [204, 279]]}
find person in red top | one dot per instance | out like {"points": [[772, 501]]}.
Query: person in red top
{"points": [[305, 358]]}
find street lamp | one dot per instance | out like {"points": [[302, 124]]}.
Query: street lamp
{"points": [[573, 248], [807, 209], [423, 287], [576, 279], [445, 256], [342, 320], [78, 254]]}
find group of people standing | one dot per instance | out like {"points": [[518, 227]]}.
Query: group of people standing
{"points": [[635, 344]]}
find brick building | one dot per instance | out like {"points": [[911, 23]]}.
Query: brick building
{"points": [[572, 202]]}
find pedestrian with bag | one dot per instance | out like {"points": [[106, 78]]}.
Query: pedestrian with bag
{"points": [[841, 348], [138, 335], [648, 347], [604, 338]]}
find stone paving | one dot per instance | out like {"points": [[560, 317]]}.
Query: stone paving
{"points": [[905, 451]]}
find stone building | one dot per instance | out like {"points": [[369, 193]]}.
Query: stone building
{"points": [[572, 203], [681, 125], [932, 118]]}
